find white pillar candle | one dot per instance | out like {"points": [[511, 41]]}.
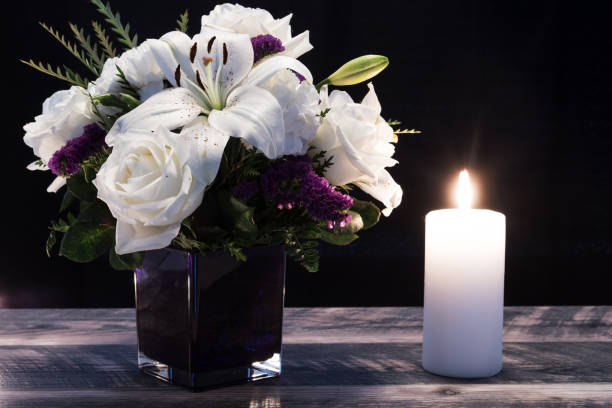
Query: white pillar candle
{"points": [[464, 289]]}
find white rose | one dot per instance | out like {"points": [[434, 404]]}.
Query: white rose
{"points": [[64, 115], [300, 104], [256, 21], [361, 143], [153, 180], [140, 69]]}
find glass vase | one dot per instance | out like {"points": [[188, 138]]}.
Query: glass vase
{"points": [[210, 320]]}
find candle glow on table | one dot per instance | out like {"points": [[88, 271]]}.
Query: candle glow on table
{"points": [[464, 289]]}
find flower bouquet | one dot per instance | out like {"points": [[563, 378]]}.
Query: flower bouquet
{"points": [[199, 162]]}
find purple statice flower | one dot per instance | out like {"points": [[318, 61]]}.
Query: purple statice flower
{"points": [[294, 182], [67, 160], [323, 202], [245, 190], [264, 45]]}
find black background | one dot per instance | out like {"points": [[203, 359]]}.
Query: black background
{"points": [[517, 91]]}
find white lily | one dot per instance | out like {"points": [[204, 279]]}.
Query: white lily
{"points": [[217, 79]]}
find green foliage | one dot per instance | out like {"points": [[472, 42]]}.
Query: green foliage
{"points": [[323, 113], [126, 85], [369, 212], [392, 123], [123, 101], [338, 238], [240, 163], [303, 252], [81, 188], [91, 234], [93, 163], [406, 131], [104, 40], [67, 201], [183, 21], [72, 48], [57, 226], [65, 75], [320, 163], [114, 20], [238, 216], [95, 60], [125, 262]]}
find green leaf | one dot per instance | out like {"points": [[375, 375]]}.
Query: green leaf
{"points": [[129, 100], [90, 236], [67, 201], [370, 213], [81, 188], [123, 101], [208, 234], [110, 100], [125, 262], [338, 238], [237, 214]]}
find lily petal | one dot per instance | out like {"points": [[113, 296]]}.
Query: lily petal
{"points": [[255, 115], [206, 145], [222, 57], [172, 108], [269, 66], [172, 54]]}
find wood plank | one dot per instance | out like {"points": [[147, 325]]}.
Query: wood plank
{"points": [[343, 357], [308, 325], [266, 396], [114, 366]]}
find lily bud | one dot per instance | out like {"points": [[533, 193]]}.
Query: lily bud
{"points": [[356, 71]]}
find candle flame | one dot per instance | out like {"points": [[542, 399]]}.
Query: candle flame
{"points": [[465, 194]]}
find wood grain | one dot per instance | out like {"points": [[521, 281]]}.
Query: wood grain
{"points": [[308, 325], [344, 357]]}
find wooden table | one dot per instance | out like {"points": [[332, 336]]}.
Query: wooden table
{"points": [[347, 357]]}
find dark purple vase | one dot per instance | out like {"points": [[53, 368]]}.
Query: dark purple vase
{"points": [[210, 320]]}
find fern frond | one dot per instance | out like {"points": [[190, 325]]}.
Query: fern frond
{"points": [[92, 50], [105, 121], [67, 75], [303, 252], [406, 131], [183, 21], [74, 50], [104, 40], [126, 85], [114, 19]]}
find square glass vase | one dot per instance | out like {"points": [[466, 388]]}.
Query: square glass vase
{"points": [[210, 320]]}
